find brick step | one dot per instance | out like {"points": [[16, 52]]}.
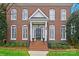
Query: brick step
{"points": [[38, 46]]}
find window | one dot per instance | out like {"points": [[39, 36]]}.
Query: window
{"points": [[63, 14], [52, 14], [24, 14], [52, 32], [13, 32], [63, 32], [13, 14], [72, 29], [24, 32]]}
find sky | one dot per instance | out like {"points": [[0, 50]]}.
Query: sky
{"points": [[75, 7]]}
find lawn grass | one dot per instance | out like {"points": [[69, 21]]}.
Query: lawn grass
{"points": [[13, 51], [64, 53]]}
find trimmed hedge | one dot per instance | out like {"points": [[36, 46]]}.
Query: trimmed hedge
{"points": [[2, 44], [55, 45], [15, 44]]}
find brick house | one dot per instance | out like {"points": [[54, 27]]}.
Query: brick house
{"points": [[37, 21]]}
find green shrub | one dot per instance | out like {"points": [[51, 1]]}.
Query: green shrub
{"points": [[2, 44], [56, 45], [7, 44], [19, 44], [52, 44], [63, 42], [13, 44], [64, 46], [27, 44], [76, 46], [23, 44]]}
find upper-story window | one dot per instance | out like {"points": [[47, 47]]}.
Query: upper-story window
{"points": [[63, 14], [13, 14], [24, 14], [52, 14]]}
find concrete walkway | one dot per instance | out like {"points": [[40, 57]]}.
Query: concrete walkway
{"points": [[38, 53]]}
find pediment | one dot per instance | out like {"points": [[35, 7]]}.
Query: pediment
{"points": [[38, 14]]}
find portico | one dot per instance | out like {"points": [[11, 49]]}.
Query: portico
{"points": [[38, 26], [38, 30]]}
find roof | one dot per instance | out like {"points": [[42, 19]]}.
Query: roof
{"points": [[43, 4]]}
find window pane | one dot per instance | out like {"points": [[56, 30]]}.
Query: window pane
{"points": [[24, 14], [63, 32], [24, 31], [52, 32], [13, 14], [13, 31], [52, 14], [63, 14]]}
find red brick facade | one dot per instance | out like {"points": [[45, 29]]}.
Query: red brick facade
{"points": [[31, 9]]}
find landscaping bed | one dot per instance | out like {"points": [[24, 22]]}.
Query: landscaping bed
{"points": [[63, 52], [13, 51], [58, 45]]}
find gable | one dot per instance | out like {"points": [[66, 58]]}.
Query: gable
{"points": [[38, 14]]}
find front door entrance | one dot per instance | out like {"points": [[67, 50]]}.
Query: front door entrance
{"points": [[38, 33]]}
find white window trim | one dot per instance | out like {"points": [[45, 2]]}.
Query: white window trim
{"points": [[61, 15], [53, 10], [11, 32], [23, 12], [11, 15], [22, 33], [65, 33], [50, 26]]}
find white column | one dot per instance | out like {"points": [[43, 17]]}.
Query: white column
{"points": [[33, 32], [46, 31], [30, 31]]}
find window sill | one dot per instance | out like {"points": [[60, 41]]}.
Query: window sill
{"points": [[63, 39], [24, 38], [13, 38]]}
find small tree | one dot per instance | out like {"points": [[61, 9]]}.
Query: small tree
{"points": [[3, 23], [72, 28]]}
